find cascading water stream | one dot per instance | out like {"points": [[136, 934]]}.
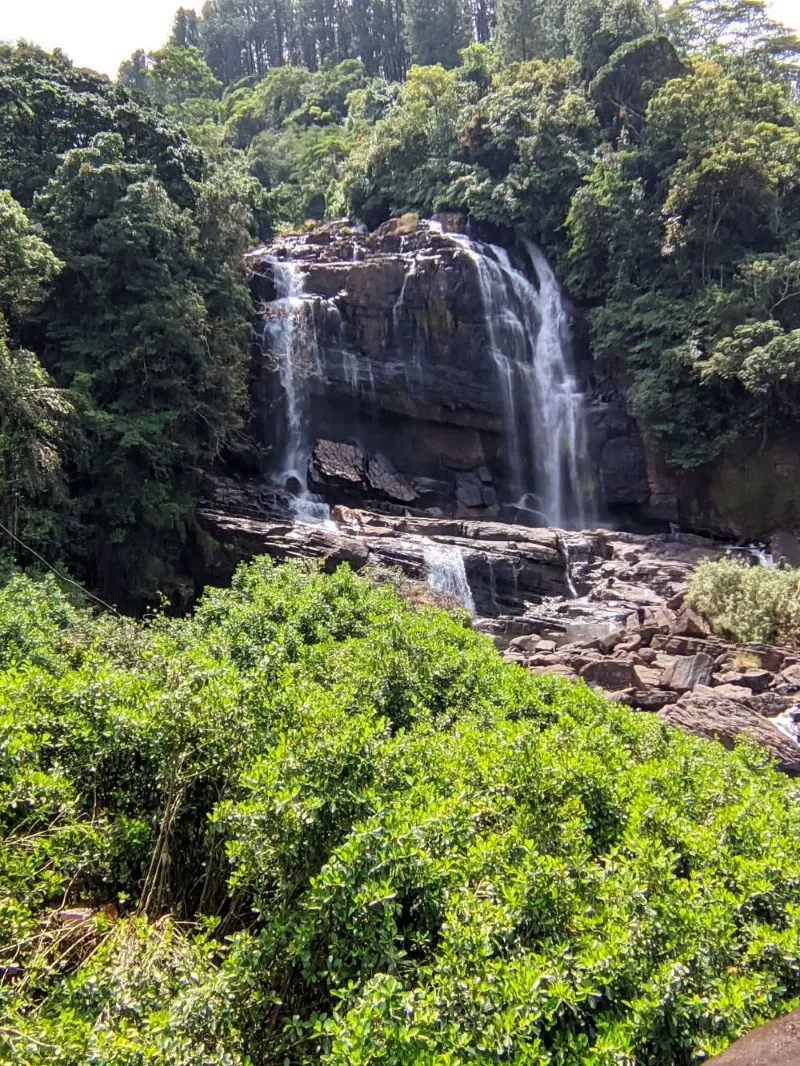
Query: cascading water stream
{"points": [[558, 431], [528, 333], [290, 337], [445, 569]]}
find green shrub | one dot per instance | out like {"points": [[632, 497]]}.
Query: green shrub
{"points": [[748, 603], [315, 824]]}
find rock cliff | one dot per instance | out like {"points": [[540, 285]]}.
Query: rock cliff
{"points": [[396, 375]]}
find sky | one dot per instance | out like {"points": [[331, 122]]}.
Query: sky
{"points": [[101, 33]]}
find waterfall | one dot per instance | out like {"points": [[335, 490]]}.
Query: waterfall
{"points": [[290, 337], [331, 385], [444, 564], [528, 334], [558, 429]]}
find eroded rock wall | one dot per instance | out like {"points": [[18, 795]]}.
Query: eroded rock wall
{"points": [[402, 379]]}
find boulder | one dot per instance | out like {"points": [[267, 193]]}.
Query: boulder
{"points": [[335, 464], [686, 672], [648, 676], [690, 623], [754, 680], [650, 699], [717, 718], [609, 641], [469, 489], [355, 553], [557, 668], [385, 481], [788, 680], [785, 547], [659, 619], [767, 704], [774, 1044], [728, 692], [766, 656], [613, 675], [675, 645]]}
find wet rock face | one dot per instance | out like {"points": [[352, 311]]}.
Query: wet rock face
{"points": [[400, 369]]}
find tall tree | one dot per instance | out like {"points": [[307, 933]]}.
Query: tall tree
{"points": [[596, 28], [436, 30], [521, 30], [185, 28], [33, 413], [148, 324], [484, 18]]}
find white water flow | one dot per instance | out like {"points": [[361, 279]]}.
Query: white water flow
{"points": [[528, 332], [444, 564], [290, 338], [787, 723]]}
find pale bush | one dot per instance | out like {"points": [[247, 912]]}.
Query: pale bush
{"points": [[748, 603]]}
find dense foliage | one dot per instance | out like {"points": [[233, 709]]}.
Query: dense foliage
{"points": [[121, 254], [748, 603], [314, 824], [654, 150]]}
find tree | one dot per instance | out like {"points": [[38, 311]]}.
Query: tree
{"points": [[530, 29], [405, 163], [148, 326], [596, 29], [132, 73], [623, 87], [48, 108], [33, 414], [185, 29], [484, 19], [738, 27], [435, 31], [268, 105], [175, 75], [527, 144]]}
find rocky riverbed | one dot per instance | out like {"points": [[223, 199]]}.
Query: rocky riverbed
{"points": [[602, 605]]}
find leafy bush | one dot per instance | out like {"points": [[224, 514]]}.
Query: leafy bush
{"points": [[748, 603], [316, 824]]}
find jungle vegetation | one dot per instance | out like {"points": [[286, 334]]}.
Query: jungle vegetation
{"points": [[314, 824], [653, 152]]}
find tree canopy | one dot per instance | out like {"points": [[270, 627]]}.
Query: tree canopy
{"points": [[653, 151], [139, 317]]}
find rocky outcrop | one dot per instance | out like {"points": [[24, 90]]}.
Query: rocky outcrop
{"points": [[607, 607], [749, 492], [397, 364], [504, 565], [708, 714]]}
